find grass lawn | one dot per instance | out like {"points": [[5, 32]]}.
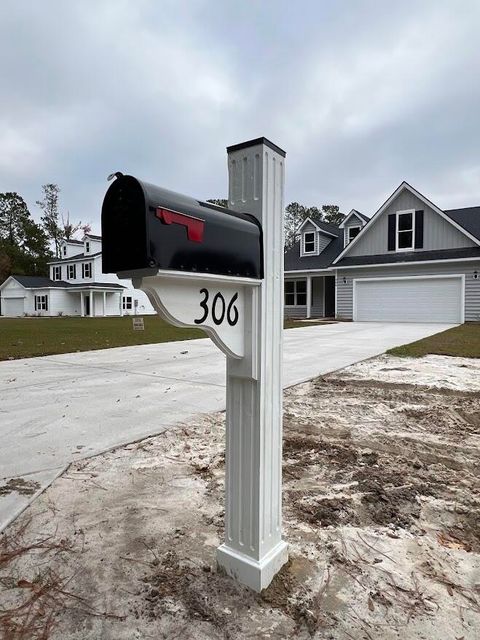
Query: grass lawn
{"points": [[462, 341], [27, 337]]}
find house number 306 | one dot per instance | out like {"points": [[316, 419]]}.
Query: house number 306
{"points": [[219, 309]]}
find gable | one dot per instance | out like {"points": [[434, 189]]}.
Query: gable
{"points": [[438, 233], [353, 221], [11, 285]]}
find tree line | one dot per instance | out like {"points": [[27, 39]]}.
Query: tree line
{"points": [[295, 216], [27, 246]]}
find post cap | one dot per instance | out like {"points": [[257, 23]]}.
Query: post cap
{"points": [[254, 143]]}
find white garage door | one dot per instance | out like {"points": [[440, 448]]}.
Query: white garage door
{"points": [[12, 306], [409, 300]]}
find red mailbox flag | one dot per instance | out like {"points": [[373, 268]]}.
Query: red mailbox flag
{"points": [[195, 226]]}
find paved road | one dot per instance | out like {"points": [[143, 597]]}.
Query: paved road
{"points": [[61, 408]]}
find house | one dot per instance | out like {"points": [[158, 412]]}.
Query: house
{"points": [[76, 287], [410, 262]]}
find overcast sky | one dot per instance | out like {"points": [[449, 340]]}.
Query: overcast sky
{"points": [[361, 94]]}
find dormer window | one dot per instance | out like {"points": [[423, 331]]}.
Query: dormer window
{"points": [[353, 233], [405, 230], [309, 242], [64, 250], [87, 247]]}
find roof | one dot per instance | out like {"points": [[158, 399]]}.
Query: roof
{"points": [[77, 256], [429, 203], [410, 256], [328, 227], [94, 237], [73, 241], [362, 215], [294, 262], [468, 218], [41, 282]]}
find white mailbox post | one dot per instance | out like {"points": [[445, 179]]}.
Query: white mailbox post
{"points": [[253, 550], [243, 315]]}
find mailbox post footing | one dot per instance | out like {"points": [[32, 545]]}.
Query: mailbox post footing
{"points": [[256, 574]]}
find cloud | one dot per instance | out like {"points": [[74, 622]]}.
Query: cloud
{"points": [[360, 94]]}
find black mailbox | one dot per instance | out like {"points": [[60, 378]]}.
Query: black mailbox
{"points": [[146, 228]]}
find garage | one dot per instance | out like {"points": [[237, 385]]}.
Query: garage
{"points": [[12, 307], [409, 299]]}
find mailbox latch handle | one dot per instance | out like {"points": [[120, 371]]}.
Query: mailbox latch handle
{"points": [[195, 226]]}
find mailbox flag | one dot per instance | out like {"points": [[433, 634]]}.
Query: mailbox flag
{"points": [[194, 226]]}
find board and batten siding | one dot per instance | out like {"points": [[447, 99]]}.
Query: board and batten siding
{"points": [[472, 285], [438, 233]]}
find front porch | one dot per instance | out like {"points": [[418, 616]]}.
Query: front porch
{"points": [[93, 302], [309, 296]]}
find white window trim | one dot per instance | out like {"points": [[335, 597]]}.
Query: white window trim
{"points": [[291, 306], [57, 269], [72, 267], [304, 251], [398, 214], [458, 276], [41, 302], [84, 265], [348, 229]]}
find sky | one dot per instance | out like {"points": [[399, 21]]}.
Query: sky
{"points": [[361, 94]]}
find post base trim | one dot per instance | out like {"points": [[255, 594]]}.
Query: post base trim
{"points": [[255, 574]]}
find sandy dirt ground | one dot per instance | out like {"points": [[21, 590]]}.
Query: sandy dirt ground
{"points": [[381, 512]]}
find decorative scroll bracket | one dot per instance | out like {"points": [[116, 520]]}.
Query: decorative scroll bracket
{"points": [[220, 305]]}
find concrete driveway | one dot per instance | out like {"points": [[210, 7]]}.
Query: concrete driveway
{"points": [[61, 408]]}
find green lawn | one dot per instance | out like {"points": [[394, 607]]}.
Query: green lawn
{"points": [[27, 337], [462, 341]]}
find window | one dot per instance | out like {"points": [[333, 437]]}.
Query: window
{"points": [[127, 303], [71, 271], [41, 303], [309, 242], [86, 270], [64, 249], [405, 230], [87, 247], [295, 293], [57, 273], [353, 233]]}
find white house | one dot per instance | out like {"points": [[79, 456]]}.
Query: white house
{"points": [[76, 287]]}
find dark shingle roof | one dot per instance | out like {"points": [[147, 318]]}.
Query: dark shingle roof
{"points": [[74, 241], [293, 261], [90, 235], [41, 282], [34, 281], [77, 256], [468, 218], [410, 256], [327, 226]]}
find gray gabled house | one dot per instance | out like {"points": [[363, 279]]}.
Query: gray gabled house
{"points": [[411, 262]]}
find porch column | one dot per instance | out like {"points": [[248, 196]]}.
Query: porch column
{"points": [[91, 304], [81, 304], [309, 296], [121, 305], [104, 303]]}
